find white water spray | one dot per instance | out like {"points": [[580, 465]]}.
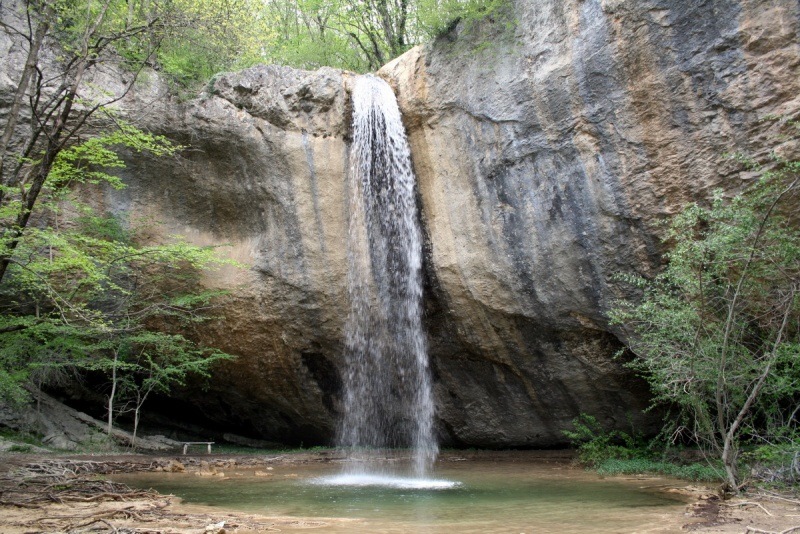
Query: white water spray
{"points": [[388, 401]]}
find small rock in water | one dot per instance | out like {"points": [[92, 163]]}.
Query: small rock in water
{"points": [[207, 470]]}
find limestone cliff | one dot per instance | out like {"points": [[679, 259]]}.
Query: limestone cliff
{"points": [[263, 175], [547, 142]]}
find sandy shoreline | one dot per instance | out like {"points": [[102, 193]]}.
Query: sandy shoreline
{"points": [[48, 494]]}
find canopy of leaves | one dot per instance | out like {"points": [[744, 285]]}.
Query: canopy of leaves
{"points": [[192, 40], [210, 36]]}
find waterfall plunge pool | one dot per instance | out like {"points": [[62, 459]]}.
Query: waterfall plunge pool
{"points": [[475, 496]]}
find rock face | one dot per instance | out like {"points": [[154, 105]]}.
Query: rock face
{"points": [[264, 175], [64, 428], [547, 142]]}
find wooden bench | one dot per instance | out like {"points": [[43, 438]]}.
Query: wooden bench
{"points": [[187, 443]]}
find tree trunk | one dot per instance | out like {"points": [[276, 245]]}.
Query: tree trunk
{"points": [[22, 87], [730, 455], [54, 146], [135, 425], [113, 392]]}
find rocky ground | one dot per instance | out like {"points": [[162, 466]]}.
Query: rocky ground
{"points": [[72, 494]]}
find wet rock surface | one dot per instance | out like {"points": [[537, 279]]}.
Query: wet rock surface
{"points": [[263, 175]]}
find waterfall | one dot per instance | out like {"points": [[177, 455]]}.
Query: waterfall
{"points": [[387, 388]]}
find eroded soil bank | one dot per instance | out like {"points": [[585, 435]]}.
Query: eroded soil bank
{"points": [[49, 494]]}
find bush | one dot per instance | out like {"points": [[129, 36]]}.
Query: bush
{"points": [[715, 333], [596, 445], [618, 453], [777, 464]]}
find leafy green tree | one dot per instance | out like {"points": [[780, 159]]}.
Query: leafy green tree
{"points": [[80, 301], [596, 445], [75, 289], [53, 103], [210, 36], [138, 363], [359, 35], [363, 35], [83, 295], [435, 17], [717, 333]]}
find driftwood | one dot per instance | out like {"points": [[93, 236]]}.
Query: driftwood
{"points": [[773, 495], [68, 496], [748, 503]]}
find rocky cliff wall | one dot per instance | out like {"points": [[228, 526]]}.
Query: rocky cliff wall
{"points": [[547, 141], [263, 174]]}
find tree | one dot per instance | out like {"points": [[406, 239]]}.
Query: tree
{"points": [[210, 36], [717, 333], [363, 35], [53, 104], [139, 363], [360, 35], [83, 295]]}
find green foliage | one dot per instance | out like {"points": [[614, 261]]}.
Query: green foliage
{"points": [[618, 453], [74, 20], [13, 375], [82, 294], [191, 41], [206, 37], [75, 295], [93, 160], [640, 465], [210, 36], [716, 333], [20, 437], [437, 17], [777, 463], [775, 453], [595, 445]]}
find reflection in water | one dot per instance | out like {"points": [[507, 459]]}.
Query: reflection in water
{"points": [[492, 497]]}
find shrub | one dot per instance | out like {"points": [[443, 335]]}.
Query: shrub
{"points": [[596, 445]]}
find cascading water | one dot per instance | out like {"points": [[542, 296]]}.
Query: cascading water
{"points": [[388, 401]]}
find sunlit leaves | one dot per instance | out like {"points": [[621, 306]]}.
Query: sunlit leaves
{"points": [[94, 160], [359, 35]]}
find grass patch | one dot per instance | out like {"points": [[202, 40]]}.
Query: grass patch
{"points": [[636, 466], [22, 437]]}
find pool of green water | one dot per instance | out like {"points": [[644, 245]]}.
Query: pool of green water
{"points": [[520, 497]]}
